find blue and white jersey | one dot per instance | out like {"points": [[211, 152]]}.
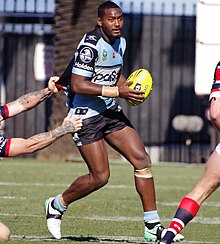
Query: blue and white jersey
{"points": [[102, 62]]}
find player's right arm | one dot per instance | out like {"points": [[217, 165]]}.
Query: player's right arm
{"points": [[83, 85], [83, 72], [19, 146]]}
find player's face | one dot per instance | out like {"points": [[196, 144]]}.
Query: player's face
{"points": [[111, 23]]}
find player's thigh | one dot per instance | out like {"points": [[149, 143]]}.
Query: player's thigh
{"points": [[128, 142], [212, 167], [96, 156]]}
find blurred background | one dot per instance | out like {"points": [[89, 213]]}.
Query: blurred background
{"points": [[172, 39]]}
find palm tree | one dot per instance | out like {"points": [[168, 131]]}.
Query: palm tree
{"points": [[73, 18]]}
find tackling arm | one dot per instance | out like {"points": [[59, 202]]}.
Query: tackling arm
{"points": [[31, 100], [19, 146]]}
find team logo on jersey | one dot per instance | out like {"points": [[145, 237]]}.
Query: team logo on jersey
{"points": [[91, 38], [86, 54], [104, 55], [106, 76]]}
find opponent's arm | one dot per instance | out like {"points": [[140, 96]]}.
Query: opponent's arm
{"points": [[31, 100], [19, 146]]}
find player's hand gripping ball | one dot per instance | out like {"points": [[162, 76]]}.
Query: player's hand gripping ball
{"points": [[142, 81]]}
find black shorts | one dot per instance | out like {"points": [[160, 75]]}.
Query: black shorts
{"points": [[99, 126], [4, 146]]}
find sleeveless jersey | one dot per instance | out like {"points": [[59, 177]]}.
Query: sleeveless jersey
{"points": [[101, 62]]}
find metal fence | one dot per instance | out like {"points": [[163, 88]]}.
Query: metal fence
{"points": [[164, 43]]}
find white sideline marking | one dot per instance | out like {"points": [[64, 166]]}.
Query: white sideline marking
{"points": [[208, 204], [201, 220], [13, 197], [31, 184], [108, 239], [182, 188], [40, 184], [103, 239], [56, 185]]}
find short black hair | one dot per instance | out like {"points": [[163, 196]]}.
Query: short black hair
{"points": [[106, 5]]}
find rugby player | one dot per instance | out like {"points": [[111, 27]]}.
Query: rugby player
{"points": [[97, 80], [11, 147], [190, 204]]}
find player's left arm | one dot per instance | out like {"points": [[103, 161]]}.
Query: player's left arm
{"points": [[32, 99], [82, 85]]}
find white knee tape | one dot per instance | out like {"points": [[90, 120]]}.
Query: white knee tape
{"points": [[143, 173]]}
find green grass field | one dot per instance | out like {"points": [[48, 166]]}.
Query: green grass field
{"points": [[110, 215]]}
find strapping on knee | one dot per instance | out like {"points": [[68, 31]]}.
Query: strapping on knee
{"points": [[143, 173]]}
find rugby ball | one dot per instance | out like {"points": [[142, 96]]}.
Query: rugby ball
{"points": [[142, 81]]}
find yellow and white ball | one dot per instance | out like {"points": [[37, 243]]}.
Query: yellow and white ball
{"points": [[142, 81]]}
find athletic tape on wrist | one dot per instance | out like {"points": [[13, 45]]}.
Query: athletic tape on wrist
{"points": [[108, 91]]}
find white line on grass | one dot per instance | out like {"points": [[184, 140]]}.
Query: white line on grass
{"points": [[30, 184], [13, 197], [103, 239], [56, 185], [40, 184], [201, 220], [66, 185], [207, 204]]}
